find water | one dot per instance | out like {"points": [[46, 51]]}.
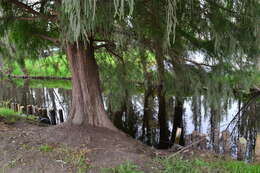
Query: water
{"points": [[52, 96]]}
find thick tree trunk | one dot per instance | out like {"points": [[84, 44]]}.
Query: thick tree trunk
{"points": [[87, 103], [164, 142]]}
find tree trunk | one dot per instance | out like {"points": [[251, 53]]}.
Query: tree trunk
{"points": [[87, 103], [214, 128], [164, 142], [148, 99], [148, 113], [178, 121]]}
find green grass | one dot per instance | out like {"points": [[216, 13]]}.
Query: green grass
{"points": [[55, 65], [35, 83], [178, 165], [124, 168], [46, 148], [9, 116]]}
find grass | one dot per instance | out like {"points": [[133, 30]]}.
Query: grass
{"points": [[55, 65], [9, 116], [75, 158], [46, 148], [128, 167], [35, 83], [179, 165]]}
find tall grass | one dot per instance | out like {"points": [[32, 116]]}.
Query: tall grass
{"points": [[9, 116]]}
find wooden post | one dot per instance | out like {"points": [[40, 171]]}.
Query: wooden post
{"points": [[40, 112], [29, 110], [34, 110], [17, 107], [225, 138], [13, 106], [22, 109], [61, 116], [241, 148], [257, 148], [53, 116], [203, 143], [195, 138], [9, 105], [188, 139], [178, 135], [44, 113]]}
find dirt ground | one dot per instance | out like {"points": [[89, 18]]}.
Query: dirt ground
{"points": [[29, 148]]}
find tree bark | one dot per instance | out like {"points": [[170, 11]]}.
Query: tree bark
{"points": [[164, 141], [178, 121], [87, 103]]}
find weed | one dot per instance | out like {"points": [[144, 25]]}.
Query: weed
{"points": [[46, 148], [76, 158], [124, 168]]}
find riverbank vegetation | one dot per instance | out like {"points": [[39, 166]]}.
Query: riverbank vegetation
{"points": [[135, 65], [9, 116], [55, 65]]}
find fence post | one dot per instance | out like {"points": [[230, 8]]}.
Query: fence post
{"points": [[61, 116], [53, 116]]}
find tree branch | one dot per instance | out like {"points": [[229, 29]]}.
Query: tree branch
{"points": [[31, 10], [198, 64], [20, 18], [54, 40]]}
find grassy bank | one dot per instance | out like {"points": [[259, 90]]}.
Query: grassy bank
{"points": [[179, 165], [9, 116], [50, 66], [79, 161]]}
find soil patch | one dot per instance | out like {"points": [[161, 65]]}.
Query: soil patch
{"points": [[27, 147]]}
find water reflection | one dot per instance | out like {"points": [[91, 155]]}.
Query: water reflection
{"points": [[53, 98], [140, 119]]}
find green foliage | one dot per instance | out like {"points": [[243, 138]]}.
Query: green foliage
{"points": [[124, 168], [10, 117], [7, 112], [65, 84], [79, 19], [179, 165]]}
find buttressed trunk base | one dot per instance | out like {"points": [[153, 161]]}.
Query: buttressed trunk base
{"points": [[87, 103]]}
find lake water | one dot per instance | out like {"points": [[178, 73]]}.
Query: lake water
{"points": [[57, 95]]}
